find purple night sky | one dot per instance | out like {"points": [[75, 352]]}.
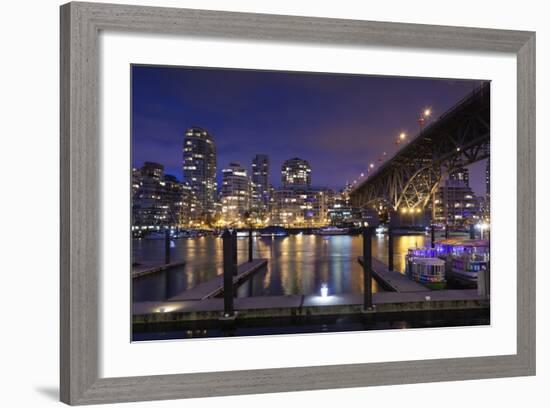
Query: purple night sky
{"points": [[339, 123]]}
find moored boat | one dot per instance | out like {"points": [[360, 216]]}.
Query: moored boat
{"points": [[273, 231], [423, 266], [465, 258], [332, 231]]}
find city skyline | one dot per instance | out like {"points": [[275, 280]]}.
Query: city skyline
{"points": [[322, 131]]}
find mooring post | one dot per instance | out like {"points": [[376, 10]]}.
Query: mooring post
{"points": [[390, 248], [472, 232], [228, 267], [432, 230], [367, 268], [250, 246], [167, 246], [446, 231], [234, 250]]}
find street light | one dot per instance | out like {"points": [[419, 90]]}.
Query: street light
{"points": [[401, 138], [426, 113]]}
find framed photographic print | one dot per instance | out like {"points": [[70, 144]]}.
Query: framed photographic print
{"points": [[291, 203]]}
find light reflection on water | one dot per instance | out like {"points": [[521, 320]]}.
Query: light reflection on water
{"points": [[298, 264]]}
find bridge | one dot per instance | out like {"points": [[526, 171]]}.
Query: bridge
{"points": [[411, 176]]}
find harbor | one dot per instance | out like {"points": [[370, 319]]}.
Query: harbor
{"points": [[236, 301]]}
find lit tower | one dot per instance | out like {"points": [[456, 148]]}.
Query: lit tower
{"points": [[260, 181], [296, 172], [199, 166], [235, 193]]}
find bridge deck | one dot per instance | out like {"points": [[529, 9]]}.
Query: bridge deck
{"points": [[143, 270], [392, 280], [214, 286]]}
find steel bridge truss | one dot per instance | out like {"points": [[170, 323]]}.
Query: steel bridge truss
{"points": [[410, 178]]}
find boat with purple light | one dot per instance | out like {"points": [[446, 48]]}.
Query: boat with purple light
{"points": [[465, 258], [423, 266]]}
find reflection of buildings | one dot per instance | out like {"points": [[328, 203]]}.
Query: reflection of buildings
{"points": [[260, 182], [160, 200], [235, 193], [199, 167], [296, 172], [455, 202]]}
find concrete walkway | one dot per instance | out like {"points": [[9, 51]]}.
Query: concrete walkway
{"points": [[391, 280], [214, 286]]}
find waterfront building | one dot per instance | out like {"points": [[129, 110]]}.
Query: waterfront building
{"points": [[148, 211], [160, 201], [235, 194], [199, 167], [181, 202], [341, 213], [296, 172], [455, 203], [301, 207], [462, 175], [260, 182]]}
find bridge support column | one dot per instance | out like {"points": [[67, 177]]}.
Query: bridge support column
{"points": [[390, 248], [367, 268], [250, 246], [167, 246], [229, 268]]}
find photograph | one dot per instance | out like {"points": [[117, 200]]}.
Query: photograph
{"points": [[284, 202]]}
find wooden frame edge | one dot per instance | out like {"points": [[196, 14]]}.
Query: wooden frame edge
{"points": [[80, 25]]}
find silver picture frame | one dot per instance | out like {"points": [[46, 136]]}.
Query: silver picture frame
{"points": [[81, 24]]}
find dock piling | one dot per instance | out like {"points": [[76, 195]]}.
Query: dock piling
{"points": [[167, 246], [234, 250], [367, 268], [472, 232], [446, 231], [390, 248], [250, 246], [228, 271], [432, 231]]}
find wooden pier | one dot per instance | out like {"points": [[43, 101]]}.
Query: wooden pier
{"points": [[214, 286], [391, 280], [143, 270], [309, 305]]}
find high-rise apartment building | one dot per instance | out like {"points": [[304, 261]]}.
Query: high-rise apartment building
{"points": [[260, 182], [199, 167], [462, 175], [159, 200], [235, 194], [296, 172]]}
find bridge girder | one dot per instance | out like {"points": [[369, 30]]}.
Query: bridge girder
{"points": [[409, 179]]}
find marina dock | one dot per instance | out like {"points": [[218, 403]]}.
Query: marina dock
{"points": [[214, 286], [391, 280], [310, 305], [143, 270]]}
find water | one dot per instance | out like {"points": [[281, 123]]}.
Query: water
{"points": [[297, 264]]}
